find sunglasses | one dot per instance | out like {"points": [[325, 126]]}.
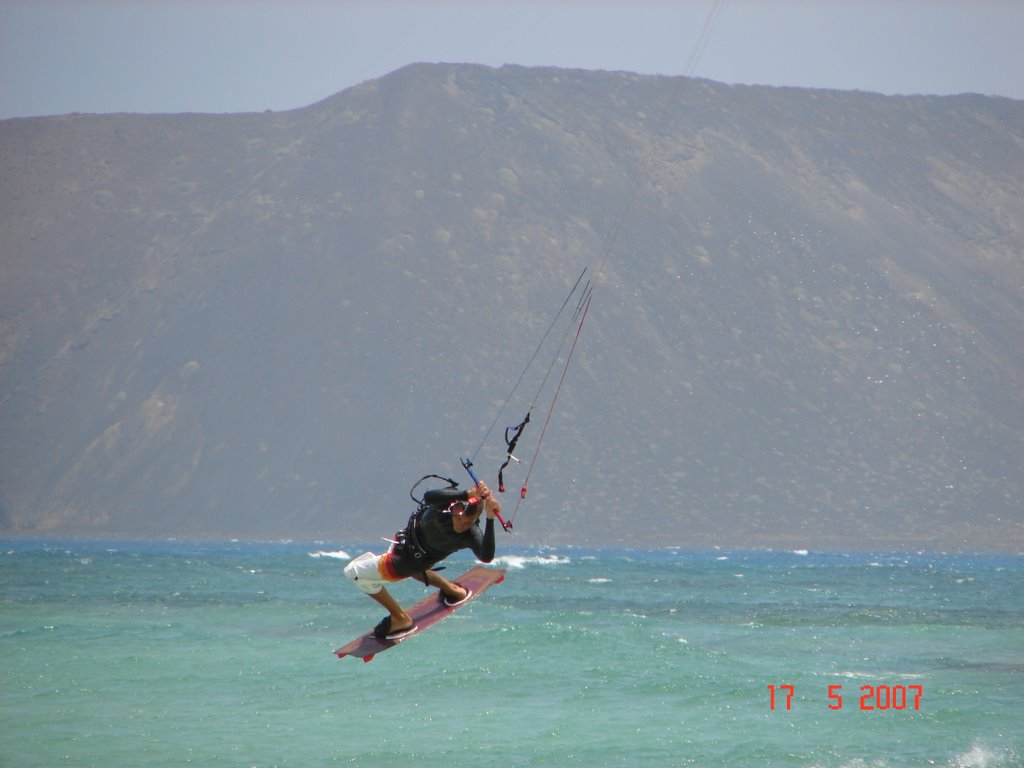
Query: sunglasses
{"points": [[462, 509]]}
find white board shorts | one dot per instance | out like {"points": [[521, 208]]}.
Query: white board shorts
{"points": [[367, 572]]}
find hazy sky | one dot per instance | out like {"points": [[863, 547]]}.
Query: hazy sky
{"points": [[249, 55]]}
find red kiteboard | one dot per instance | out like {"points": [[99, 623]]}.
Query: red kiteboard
{"points": [[425, 613]]}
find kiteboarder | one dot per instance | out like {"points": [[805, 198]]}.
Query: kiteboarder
{"points": [[447, 520]]}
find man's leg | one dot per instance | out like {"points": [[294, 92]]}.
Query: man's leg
{"points": [[399, 618], [365, 572]]}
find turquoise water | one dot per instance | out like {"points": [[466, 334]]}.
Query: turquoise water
{"points": [[172, 654]]}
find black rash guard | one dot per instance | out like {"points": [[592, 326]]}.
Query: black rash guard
{"points": [[436, 535]]}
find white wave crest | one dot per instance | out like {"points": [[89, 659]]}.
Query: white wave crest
{"points": [[339, 555], [521, 561], [980, 756]]}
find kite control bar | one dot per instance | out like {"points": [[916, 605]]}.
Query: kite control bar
{"points": [[468, 465]]}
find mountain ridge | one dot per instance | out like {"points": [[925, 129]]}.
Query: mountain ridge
{"points": [[269, 324]]}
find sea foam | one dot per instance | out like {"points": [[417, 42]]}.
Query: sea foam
{"points": [[338, 555]]}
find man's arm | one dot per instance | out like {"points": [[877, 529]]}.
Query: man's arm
{"points": [[442, 498], [486, 552]]}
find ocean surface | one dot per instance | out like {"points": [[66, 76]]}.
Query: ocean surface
{"points": [[176, 654]]}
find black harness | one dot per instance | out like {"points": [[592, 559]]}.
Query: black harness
{"points": [[409, 539]]}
